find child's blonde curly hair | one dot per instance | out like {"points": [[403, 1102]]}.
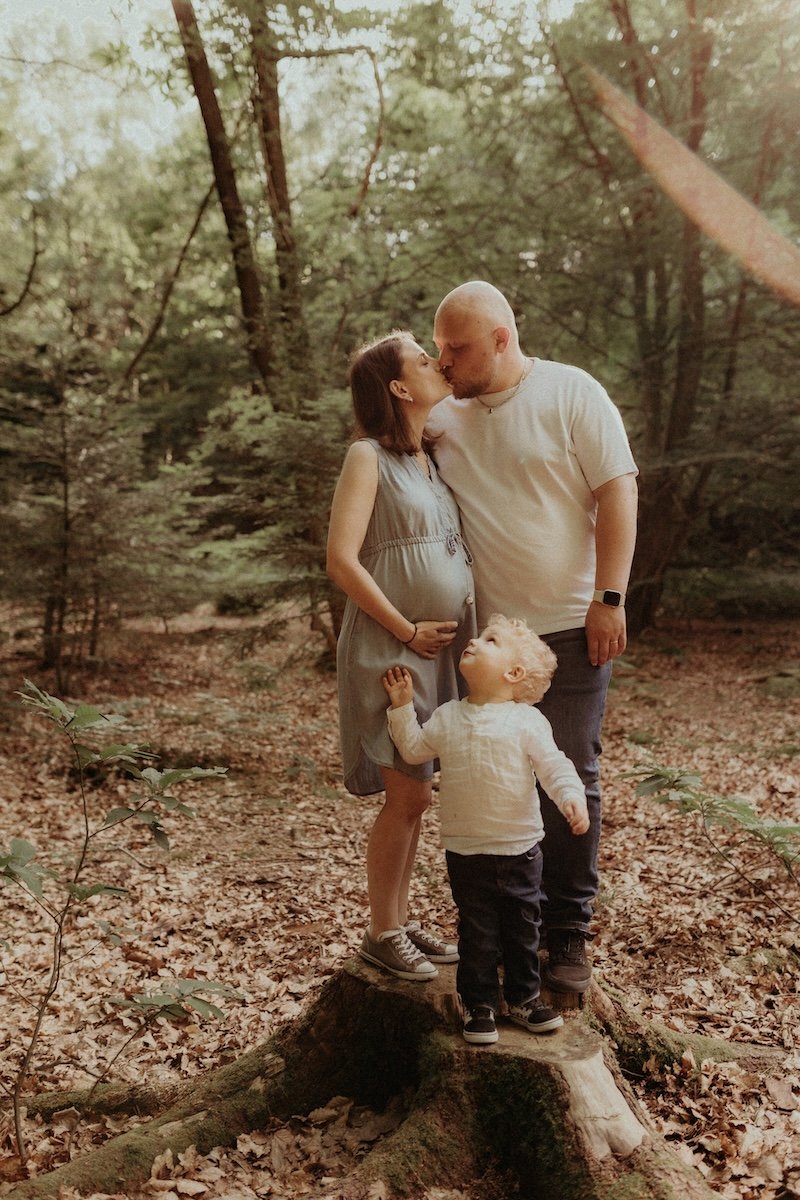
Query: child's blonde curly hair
{"points": [[535, 656]]}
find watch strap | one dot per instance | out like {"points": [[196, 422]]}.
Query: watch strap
{"points": [[607, 596]]}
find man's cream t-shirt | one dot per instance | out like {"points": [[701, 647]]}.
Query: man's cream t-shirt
{"points": [[523, 475]]}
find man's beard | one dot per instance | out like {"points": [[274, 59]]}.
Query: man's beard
{"points": [[466, 388]]}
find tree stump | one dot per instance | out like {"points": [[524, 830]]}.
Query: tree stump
{"points": [[545, 1114]]}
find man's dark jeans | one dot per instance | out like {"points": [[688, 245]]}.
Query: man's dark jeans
{"points": [[497, 896], [574, 705]]}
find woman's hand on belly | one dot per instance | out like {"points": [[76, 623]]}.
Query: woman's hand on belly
{"points": [[432, 636]]}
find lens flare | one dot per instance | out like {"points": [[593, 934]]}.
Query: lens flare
{"points": [[711, 203]]}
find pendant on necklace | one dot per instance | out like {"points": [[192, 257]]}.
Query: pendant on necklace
{"points": [[491, 407]]}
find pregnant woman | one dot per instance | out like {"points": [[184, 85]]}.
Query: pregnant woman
{"points": [[395, 549]]}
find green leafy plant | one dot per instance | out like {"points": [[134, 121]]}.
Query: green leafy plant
{"points": [[181, 999], [60, 896], [777, 841], [17, 867]]}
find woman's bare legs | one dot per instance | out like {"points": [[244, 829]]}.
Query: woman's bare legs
{"points": [[402, 899], [392, 847]]}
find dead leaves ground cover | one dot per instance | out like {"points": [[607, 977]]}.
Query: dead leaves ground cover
{"points": [[264, 892]]}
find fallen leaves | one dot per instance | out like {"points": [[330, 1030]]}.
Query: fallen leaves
{"points": [[265, 893], [308, 1156], [698, 947]]}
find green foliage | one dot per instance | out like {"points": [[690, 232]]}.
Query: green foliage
{"points": [[274, 474], [180, 999], [158, 785], [779, 840], [88, 539], [16, 867], [149, 483], [734, 592]]}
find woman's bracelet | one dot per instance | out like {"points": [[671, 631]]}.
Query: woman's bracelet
{"points": [[410, 640]]}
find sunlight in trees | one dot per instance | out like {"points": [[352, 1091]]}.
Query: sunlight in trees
{"points": [[75, 91], [367, 185]]}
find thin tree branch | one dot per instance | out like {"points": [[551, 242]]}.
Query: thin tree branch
{"points": [[601, 159], [355, 207], [26, 287], [169, 286], [44, 64], [357, 204]]}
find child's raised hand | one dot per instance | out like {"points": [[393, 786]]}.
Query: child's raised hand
{"points": [[577, 815], [399, 686]]}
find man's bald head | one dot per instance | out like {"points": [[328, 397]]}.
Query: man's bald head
{"points": [[480, 300], [476, 333]]}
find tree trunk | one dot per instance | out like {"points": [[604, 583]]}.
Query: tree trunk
{"points": [[51, 637], [96, 622], [247, 277], [691, 346], [57, 602], [551, 1115], [664, 527], [266, 103]]}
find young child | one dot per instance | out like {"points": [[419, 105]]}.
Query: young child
{"points": [[492, 747]]}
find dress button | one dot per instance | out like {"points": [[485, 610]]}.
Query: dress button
{"points": [[470, 599]]}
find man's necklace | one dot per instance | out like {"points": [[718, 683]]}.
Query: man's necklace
{"points": [[526, 370]]}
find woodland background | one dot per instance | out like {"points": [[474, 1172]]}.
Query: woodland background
{"points": [[176, 312], [176, 321]]}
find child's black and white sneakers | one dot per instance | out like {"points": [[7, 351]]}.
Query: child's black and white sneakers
{"points": [[479, 1025], [535, 1016], [394, 952], [434, 948]]}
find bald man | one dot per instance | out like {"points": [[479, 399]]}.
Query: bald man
{"points": [[539, 462]]}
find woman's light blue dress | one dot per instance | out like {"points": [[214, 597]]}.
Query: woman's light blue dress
{"points": [[414, 552]]}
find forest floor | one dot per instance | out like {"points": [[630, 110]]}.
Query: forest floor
{"points": [[264, 892]]}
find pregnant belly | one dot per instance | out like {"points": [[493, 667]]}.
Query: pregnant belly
{"points": [[427, 583]]}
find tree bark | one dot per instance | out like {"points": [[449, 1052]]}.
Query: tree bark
{"points": [[552, 1115], [666, 515], [253, 311], [58, 595], [691, 322], [31, 272], [266, 102]]}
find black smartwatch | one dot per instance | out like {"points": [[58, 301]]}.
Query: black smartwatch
{"points": [[612, 599]]}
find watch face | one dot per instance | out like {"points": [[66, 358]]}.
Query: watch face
{"points": [[612, 598]]}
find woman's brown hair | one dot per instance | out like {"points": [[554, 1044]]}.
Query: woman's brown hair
{"points": [[378, 412]]}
